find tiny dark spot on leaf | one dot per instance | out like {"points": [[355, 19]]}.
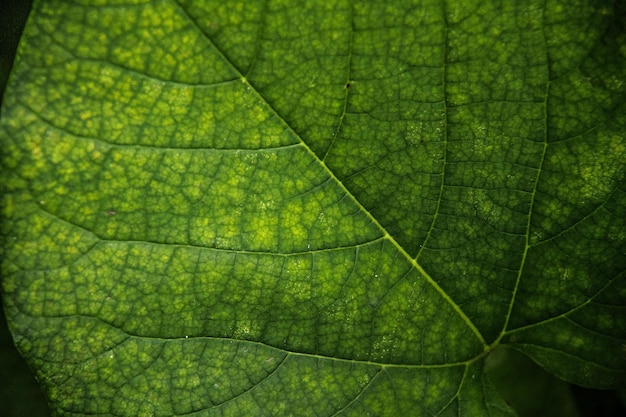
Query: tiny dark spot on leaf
{"points": [[346, 86]]}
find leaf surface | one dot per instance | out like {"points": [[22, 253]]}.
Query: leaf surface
{"points": [[336, 208]]}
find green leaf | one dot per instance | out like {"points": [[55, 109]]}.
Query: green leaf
{"points": [[330, 208]]}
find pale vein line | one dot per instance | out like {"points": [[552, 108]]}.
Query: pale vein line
{"points": [[155, 147], [102, 240], [457, 394], [564, 353], [128, 71], [254, 385], [347, 89], [254, 343], [445, 130], [527, 244], [566, 313], [259, 37], [572, 227], [359, 395]]}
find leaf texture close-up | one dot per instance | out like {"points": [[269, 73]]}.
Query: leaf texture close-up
{"points": [[320, 208]]}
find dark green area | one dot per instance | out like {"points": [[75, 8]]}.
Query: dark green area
{"points": [[533, 392]]}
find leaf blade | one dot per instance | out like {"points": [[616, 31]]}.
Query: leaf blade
{"points": [[243, 220]]}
